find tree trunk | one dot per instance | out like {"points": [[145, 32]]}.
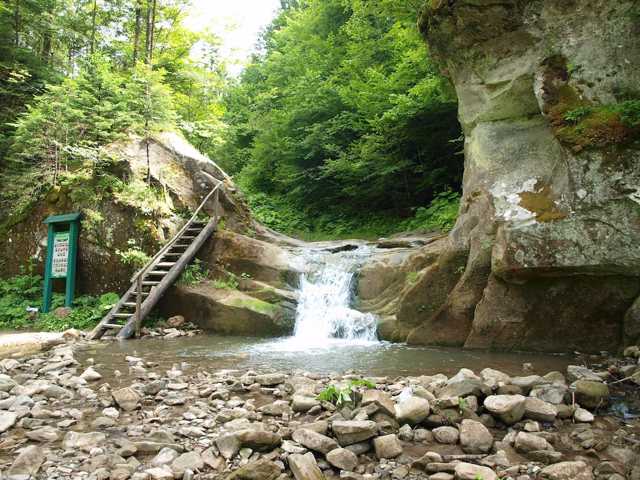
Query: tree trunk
{"points": [[93, 26], [16, 24], [136, 33], [147, 40], [153, 28]]}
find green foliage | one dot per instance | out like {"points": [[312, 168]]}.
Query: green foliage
{"points": [[412, 277], [341, 396], [229, 283], [577, 114], [24, 291], [440, 215], [629, 112], [195, 273], [343, 113], [133, 255]]}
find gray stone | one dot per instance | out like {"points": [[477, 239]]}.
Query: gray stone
{"points": [[475, 437], [387, 446], [305, 467], [343, 459], [164, 457], [270, 379], [27, 463], [469, 471], [591, 394], [567, 471], [412, 410], [353, 431], [83, 441], [508, 408], [259, 470], [537, 409], [303, 403], [381, 399], [44, 434], [126, 398], [314, 441], [187, 461], [528, 442], [7, 420], [447, 435], [583, 416]]}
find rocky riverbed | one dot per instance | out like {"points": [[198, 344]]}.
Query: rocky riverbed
{"points": [[62, 418]]}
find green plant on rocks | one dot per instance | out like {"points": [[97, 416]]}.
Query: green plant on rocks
{"points": [[341, 396], [133, 255], [194, 274]]}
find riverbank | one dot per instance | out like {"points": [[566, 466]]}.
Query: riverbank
{"points": [[65, 414]]}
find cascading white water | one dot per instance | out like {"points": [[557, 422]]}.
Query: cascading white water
{"points": [[325, 298]]}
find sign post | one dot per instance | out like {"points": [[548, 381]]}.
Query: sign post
{"points": [[62, 252]]}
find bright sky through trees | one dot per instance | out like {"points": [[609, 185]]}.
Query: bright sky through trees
{"points": [[237, 22]]}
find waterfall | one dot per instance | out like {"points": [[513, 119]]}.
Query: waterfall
{"points": [[325, 299]]}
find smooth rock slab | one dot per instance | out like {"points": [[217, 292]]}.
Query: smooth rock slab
{"points": [[353, 431], [567, 471], [475, 437], [508, 408], [305, 467], [44, 434], [387, 446], [468, 471], [314, 440], [343, 459]]}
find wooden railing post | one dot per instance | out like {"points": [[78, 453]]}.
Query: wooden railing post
{"points": [[139, 306]]}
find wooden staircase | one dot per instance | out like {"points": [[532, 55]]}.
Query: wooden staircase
{"points": [[150, 283]]}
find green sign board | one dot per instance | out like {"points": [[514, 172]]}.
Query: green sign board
{"points": [[62, 250]]}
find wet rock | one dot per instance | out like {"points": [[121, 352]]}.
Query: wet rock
{"points": [[468, 471], [591, 394], [6, 383], [412, 410], [176, 321], [343, 459], [387, 446], [83, 441], [44, 434], [493, 378], [475, 437], [187, 461], [7, 420], [126, 398], [260, 470], [464, 388], [553, 394], [527, 383], [353, 431], [381, 399], [537, 409], [447, 435], [27, 464], [160, 473], [508, 408], [405, 433], [528, 442], [567, 471], [304, 467], [228, 445], [314, 441]]}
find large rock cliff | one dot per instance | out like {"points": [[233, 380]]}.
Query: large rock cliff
{"points": [[546, 251]]}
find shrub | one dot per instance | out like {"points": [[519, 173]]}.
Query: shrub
{"points": [[343, 396]]}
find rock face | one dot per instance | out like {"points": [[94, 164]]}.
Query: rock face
{"points": [[544, 255]]}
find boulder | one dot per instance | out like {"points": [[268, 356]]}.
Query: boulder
{"points": [[447, 435], [508, 408], [475, 437], [567, 471], [270, 379], [583, 416], [259, 440], [7, 420], [591, 394], [469, 471], [164, 457], [303, 403], [83, 441], [554, 394], [412, 410], [343, 459], [353, 431], [126, 398], [314, 441], [528, 442], [305, 467], [260, 470], [387, 446], [27, 463], [187, 461], [90, 375], [537, 409], [44, 434], [381, 399], [493, 378]]}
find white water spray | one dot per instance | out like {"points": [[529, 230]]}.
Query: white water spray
{"points": [[325, 297]]}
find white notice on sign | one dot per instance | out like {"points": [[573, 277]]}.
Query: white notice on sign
{"points": [[60, 255]]}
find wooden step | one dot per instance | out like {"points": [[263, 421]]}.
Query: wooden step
{"points": [[166, 264], [182, 245], [187, 237], [149, 283], [130, 304], [174, 254], [157, 272], [112, 326], [122, 315]]}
